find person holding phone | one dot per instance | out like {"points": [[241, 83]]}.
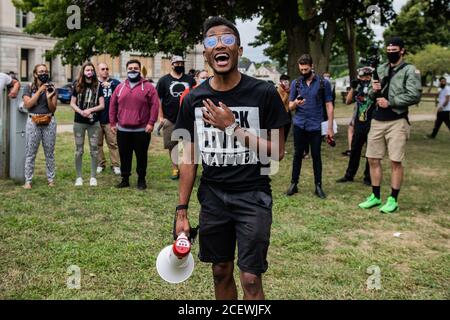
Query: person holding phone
{"points": [[307, 97]]}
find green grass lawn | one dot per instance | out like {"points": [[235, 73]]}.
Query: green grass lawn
{"points": [[320, 249]]}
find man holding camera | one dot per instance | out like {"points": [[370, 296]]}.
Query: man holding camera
{"points": [[363, 115], [400, 88], [307, 97]]}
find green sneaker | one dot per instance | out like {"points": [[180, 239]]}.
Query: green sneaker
{"points": [[390, 206], [370, 202]]}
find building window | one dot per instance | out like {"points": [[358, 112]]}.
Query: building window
{"points": [[24, 64], [48, 63], [21, 19]]}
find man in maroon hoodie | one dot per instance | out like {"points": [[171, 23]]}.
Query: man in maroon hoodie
{"points": [[133, 112]]}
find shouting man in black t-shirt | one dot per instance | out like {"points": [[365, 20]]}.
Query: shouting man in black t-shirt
{"points": [[225, 119], [170, 88]]}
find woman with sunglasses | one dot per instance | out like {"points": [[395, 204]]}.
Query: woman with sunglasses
{"points": [[40, 99], [87, 100]]}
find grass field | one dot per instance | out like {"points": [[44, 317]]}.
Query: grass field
{"points": [[320, 249]]}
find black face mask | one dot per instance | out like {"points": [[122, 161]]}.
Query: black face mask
{"points": [[307, 75], [43, 78], [134, 76], [179, 69], [442, 85], [393, 57]]}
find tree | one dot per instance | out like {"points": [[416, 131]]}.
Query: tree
{"points": [[170, 26], [432, 61], [422, 22], [296, 27]]}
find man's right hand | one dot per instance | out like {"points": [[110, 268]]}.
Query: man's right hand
{"points": [[376, 85], [182, 223], [114, 129], [300, 102]]}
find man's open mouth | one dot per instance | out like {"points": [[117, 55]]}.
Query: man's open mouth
{"points": [[222, 59]]}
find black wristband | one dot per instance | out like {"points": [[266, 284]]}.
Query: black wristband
{"points": [[182, 207]]}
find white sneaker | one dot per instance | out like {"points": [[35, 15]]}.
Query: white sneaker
{"points": [[116, 171], [99, 169], [79, 182], [93, 182]]}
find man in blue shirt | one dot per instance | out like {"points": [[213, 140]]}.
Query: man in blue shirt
{"points": [[307, 97]]}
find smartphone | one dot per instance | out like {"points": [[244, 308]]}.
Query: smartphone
{"points": [[300, 98]]}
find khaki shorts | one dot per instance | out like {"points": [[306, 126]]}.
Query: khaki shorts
{"points": [[390, 134], [167, 135]]}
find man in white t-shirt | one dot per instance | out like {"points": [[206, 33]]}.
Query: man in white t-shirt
{"points": [[443, 108], [12, 84]]}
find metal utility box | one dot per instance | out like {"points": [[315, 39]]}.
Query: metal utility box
{"points": [[17, 141]]}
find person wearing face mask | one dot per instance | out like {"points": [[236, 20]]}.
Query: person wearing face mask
{"points": [[283, 89], [87, 100], [363, 115], [170, 88], [307, 98], [400, 88], [40, 99], [132, 114], [443, 108], [200, 77]]}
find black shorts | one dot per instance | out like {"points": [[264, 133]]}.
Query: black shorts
{"points": [[227, 218]]}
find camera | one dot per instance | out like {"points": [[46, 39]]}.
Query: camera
{"points": [[300, 97], [372, 60], [50, 87]]}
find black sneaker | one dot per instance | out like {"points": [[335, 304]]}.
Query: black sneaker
{"points": [[344, 179], [367, 182], [125, 183], [141, 185]]}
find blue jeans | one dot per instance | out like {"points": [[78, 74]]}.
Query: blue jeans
{"points": [[302, 139]]}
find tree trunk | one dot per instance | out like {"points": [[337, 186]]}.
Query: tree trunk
{"points": [[351, 47], [297, 42], [321, 48]]}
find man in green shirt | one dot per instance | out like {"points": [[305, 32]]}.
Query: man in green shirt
{"points": [[400, 87]]}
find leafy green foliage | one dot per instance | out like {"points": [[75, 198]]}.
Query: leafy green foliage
{"points": [[422, 22]]}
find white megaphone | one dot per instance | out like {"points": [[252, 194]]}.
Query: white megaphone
{"points": [[175, 263]]}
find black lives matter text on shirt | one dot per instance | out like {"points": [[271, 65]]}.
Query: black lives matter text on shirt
{"points": [[226, 162], [169, 91]]}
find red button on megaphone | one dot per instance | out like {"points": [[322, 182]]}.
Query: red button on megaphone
{"points": [[175, 263], [181, 246]]}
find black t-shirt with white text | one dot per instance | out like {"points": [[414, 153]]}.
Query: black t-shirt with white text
{"points": [[169, 91], [227, 164]]}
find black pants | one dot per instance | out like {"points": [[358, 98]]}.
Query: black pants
{"points": [[359, 138], [302, 139], [129, 142], [287, 128], [443, 116]]}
